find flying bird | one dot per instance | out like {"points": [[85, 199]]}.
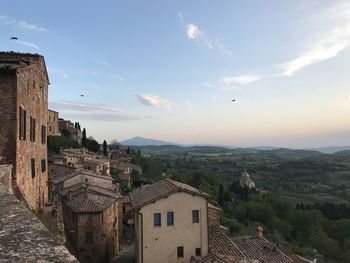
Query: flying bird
{"points": [[14, 38], [233, 100], [81, 95]]}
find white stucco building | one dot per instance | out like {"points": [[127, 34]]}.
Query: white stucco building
{"points": [[171, 222]]}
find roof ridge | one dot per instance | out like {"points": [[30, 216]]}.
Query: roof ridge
{"points": [[171, 183]]}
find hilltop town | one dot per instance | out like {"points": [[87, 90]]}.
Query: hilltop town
{"points": [[66, 198]]}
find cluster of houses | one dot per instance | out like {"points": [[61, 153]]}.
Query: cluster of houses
{"points": [[172, 221]]}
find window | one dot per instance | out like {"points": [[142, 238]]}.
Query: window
{"points": [[89, 237], [157, 219], [33, 167], [22, 123], [170, 218], [43, 134], [198, 252], [32, 129], [180, 252], [195, 216], [43, 165]]}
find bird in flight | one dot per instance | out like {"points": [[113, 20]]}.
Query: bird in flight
{"points": [[233, 100], [81, 95], [14, 38]]}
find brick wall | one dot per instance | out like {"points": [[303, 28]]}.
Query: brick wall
{"points": [[213, 216]]}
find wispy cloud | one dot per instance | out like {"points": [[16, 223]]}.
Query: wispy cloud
{"points": [[57, 72], [189, 104], [194, 33], [90, 111], [5, 20], [329, 44], [155, 101], [100, 62], [27, 44], [234, 82]]}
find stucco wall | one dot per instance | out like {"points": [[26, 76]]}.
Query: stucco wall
{"points": [[160, 242]]}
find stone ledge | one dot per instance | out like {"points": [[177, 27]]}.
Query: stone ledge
{"points": [[23, 238]]}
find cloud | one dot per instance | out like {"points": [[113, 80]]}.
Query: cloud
{"points": [[329, 44], [57, 72], [194, 33], [155, 101], [189, 104], [27, 44], [234, 82], [90, 111], [5, 20], [100, 62]]}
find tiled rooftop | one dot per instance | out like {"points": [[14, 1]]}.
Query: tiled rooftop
{"points": [[217, 258], [220, 243], [88, 202], [260, 249], [24, 238], [149, 193]]}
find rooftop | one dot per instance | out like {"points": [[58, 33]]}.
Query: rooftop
{"points": [[220, 243], [260, 249], [217, 258], [96, 161], [24, 238], [89, 202], [149, 193]]}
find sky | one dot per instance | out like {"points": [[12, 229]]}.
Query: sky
{"points": [[169, 69]]}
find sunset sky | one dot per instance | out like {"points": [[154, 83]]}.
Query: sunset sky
{"points": [[169, 69]]}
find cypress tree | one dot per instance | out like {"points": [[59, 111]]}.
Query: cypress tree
{"points": [[104, 147], [83, 140]]}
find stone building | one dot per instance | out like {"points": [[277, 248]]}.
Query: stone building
{"points": [[52, 124], [24, 117], [92, 221], [246, 181], [73, 128], [62, 177], [213, 215], [98, 166], [171, 222]]}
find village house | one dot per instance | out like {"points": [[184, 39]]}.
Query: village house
{"points": [[246, 181], [171, 222], [75, 157], [62, 177], [92, 220], [98, 166], [73, 128], [24, 116], [52, 124]]}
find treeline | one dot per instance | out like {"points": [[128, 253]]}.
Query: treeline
{"points": [[330, 210]]}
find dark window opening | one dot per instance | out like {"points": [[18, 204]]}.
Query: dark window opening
{"points": [[22, 123], [198, 252], [180, 252], [43, 134], [157, 219], [170, 218], [195, 216], [43, 165], [32, 129], [33, 167]]}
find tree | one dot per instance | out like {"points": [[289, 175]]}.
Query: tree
{"points": [[221, 195], [92, 145], [83, 140], [104, 147], [128, 150]]}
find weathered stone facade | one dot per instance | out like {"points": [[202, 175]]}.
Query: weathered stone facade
{"points": [[213, 215], [92, 224], [24, 115], [52, 124]]}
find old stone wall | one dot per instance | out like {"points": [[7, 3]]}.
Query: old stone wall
{"points": [[52, 124], [8, 113], [32, 89], [213, 216]]}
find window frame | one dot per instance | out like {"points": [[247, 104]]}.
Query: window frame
{"points": [[198, 252], [195, 216], [32, 161], [172, 218], [154, 220], [180, 252]]}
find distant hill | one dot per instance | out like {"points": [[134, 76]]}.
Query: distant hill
{"points": [[331, 149], [141, 141]]}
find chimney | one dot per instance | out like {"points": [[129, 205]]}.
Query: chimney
{"points": [[259, 232]]}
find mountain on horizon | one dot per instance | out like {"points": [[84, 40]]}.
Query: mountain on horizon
{"points": [[141, 141]]}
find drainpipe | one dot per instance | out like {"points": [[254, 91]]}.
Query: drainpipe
{"points": [[141, 235]]}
